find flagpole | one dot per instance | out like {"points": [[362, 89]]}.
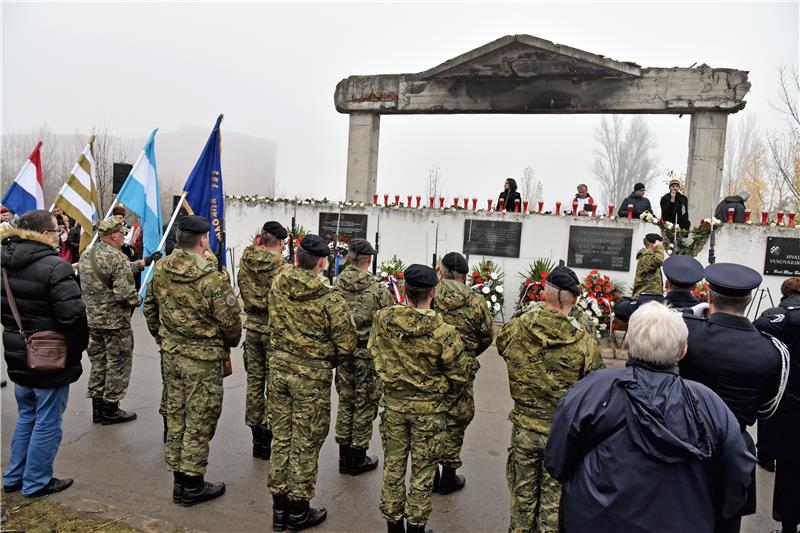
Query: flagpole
{"points": [[163, 241], [57, 195]]}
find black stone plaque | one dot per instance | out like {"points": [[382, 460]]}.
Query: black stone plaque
{"points": [[782, 257], [351, 225], [600, 248], [494, 238]]}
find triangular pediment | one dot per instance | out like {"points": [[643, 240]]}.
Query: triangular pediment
{"points": [[528, 57]]}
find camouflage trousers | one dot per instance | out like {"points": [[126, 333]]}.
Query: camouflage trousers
{"points": [[301, 414], [193, 402], [359, 392], [111, 356], [419, 435], [535, 496], [459, 416], [256, 365]]}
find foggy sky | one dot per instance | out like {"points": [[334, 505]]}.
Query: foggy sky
{"points": [[272, 69]]}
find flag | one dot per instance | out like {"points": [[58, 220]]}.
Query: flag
{"points": [[203, 189], [140, 194], [26, 192], [78, 196]]}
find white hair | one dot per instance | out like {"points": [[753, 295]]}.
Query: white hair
{"points": [[657, 335]]}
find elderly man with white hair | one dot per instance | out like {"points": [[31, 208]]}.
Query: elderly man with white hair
{"points": [[639, 449]]}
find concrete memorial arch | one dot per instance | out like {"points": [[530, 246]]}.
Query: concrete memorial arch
{"points": [[522, 74]]}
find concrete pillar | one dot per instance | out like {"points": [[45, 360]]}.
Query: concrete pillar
{"points": [[704, 170], [362, 156]]}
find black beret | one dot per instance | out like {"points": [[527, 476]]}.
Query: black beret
{"points": [[683, 270], [731, 279], [361, 247], [653, 237], [420, 277], [194, 224], [314, 245], [565, 279], [455, 262], [276, 229]]}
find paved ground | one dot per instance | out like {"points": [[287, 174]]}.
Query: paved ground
{"points": [[119, 470]]}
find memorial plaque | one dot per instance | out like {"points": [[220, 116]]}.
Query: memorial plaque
{"points": [[782, 257], [352, 225], [492, 237], [600, 248]]}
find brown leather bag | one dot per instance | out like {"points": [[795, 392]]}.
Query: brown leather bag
{"points": [[46, 350]]}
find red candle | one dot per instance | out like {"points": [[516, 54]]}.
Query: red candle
{"points": [[594, 210], [385, 199], [764, 215], [375, 199], [441, 202], [490, 205], [746, 216], [396, 200], [630, 211], [501, 205], [574, 209], [558, 208], [409, 201], [780, 217], [419, 198], [455, 202], [611, 211], [474, 204], [466, 203], [525, 206], [516, 205], [730, 215], [431, 202], [541, 206], [791, 220]]}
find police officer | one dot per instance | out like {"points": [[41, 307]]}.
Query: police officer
{"points": [[109, 292], [193, 314], [261, 262], [546, 352], [682, 273], [746, 368]]}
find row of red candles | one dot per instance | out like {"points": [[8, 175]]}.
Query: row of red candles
{"points": [[524, 206]]}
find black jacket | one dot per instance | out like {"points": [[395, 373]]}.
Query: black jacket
{"points": [[48, 298], [640, 205], [74, 242], [680, 300], [736, 202], [509, 197], [677, 210], [642, 450]]}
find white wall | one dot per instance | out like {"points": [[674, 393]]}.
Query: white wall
{"points": [[410, 234]]}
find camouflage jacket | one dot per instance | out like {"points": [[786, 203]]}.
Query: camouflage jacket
{"points": [[419, 358], [466, 310], [257, 269], [192, 308], [365, 297], [648, 272], [578, 318], [109, 303], [309, 325], [546, 353]]}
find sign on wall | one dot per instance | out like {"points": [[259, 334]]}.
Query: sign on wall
{"points": [[600, 248], [782, 257], [492, 237], [352, 225]]}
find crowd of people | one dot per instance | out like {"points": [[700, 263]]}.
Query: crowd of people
{"points": [[660, 445]]}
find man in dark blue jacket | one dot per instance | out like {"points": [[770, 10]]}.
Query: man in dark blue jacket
{"points": [[637, 200], [640, 449]]}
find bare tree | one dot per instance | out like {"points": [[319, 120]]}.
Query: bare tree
{"points": [[108, 150], [433, 187], [624, 157], [784, 148], [740, 143], [531, 188]]}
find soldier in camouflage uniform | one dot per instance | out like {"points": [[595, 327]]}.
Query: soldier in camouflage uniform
{"points": [[546, 352], [260, 263], [310, 329], [109, 292], [648, 268], [357, 383], [421, 361], [193, 314], [466, 310]]}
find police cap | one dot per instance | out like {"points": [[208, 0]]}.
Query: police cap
{"points": [[111, 225], [194, 224], [653, 238], [565, 279], [420, 277], [455, 262], [275, 228], [314, 245], [683, 270], [361, 247], [731, 279]]}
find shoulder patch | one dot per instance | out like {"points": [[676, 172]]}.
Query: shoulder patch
{"points": [[230, 300], [777, 319]]}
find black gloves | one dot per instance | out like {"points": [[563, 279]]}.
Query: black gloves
{"points": [[155, 256]]}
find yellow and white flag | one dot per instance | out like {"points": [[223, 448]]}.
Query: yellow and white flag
{"points": [[78, 196]]}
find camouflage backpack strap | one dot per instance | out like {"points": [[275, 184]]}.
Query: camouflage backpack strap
{"points": [[102, 276]]}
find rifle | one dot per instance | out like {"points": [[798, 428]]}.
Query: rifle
{"points": [[291, 234], [469, 242], [336, 245], [377, 248], [436, 245], [711, 257]]}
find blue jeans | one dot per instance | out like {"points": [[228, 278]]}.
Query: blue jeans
{"points": [[36, 437]]}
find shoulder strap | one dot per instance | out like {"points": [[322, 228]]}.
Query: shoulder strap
{"points": [[96, 268], [12, 303]]}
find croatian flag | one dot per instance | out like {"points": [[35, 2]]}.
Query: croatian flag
{"points": [[140, 194], [26, 193]]}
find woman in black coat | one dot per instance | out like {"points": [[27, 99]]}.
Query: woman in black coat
{"points": [[509, 196]]}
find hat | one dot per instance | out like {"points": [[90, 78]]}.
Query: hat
{"points": [[111, 225], [276, 229], [638, 187], [455, 262], [565, 279], [674, 181], [361, 247], [194, 224], [683, 270], [653, 238], [420, 277], [731, 279], [314, 245], [5, 210]]}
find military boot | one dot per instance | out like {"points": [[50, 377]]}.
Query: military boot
{"points": [[437, 479], [164, 418], [97, 410], [450, 481], [344, 458], [396, 527], [411, 528], [198, 490], [280, 504], [258, 441], [266, 441], [359, 462], [177, 487], [112, 414], [303, 516]]}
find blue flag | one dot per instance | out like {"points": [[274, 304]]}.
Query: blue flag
{"points": [[203, 188]]}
